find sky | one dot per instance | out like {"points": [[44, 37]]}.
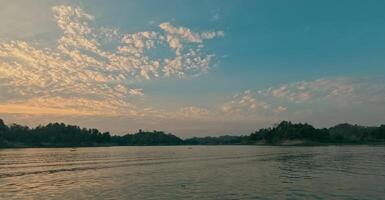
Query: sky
{"points": [[192, 68]]}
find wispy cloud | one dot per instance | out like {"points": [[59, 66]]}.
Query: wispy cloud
{"points": [[321, 95], [343, 90], [195, 112], [81, 76], [243, 104]]}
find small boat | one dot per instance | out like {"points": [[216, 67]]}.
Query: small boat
{"points": [[72, 149]]}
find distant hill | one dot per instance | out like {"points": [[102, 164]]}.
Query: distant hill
{"points": [[147, 138], [62, 135], [284, 133], [287, 133], [221, 140], [339, 134], [51, 135]]}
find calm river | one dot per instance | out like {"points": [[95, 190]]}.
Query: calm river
{"points": [[194, 172]]}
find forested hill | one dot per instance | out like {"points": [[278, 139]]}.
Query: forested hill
{"points": [[62, 135], [287, 133], [284, 133]]}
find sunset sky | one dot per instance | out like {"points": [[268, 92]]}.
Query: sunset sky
{"points": [[193, 68]]}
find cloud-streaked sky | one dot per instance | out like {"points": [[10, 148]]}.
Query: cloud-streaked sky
{"points": [[192, 67]]}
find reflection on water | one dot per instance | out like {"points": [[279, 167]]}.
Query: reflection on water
{"points": [[198, 172]]}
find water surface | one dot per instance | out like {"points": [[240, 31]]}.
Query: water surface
{"points": [[196, 172]]}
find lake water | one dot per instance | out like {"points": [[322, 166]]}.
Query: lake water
{"points": [[196, 172]]}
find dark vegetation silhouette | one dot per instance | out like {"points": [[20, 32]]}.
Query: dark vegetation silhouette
{"points": [[143, 138], [342, 133], [62, 135], [284, 133]]}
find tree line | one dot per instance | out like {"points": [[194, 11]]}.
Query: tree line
{"points": [[303, 134], [62, 135]]}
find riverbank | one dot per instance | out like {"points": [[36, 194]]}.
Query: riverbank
{"points": [[283, 134], [282, 144]]}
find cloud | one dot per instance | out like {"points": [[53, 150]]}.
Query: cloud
{"points": [[244, 104], [181, 34], [194, 112], [281, 109], [348, 90], [324, 95], [83, 76], [136, 92], [191, 58]]}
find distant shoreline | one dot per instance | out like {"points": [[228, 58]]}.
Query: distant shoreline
{"points": [[191, 145], [56, 135]]}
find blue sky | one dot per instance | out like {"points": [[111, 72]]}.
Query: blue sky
{"points": [[239, 65]]}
